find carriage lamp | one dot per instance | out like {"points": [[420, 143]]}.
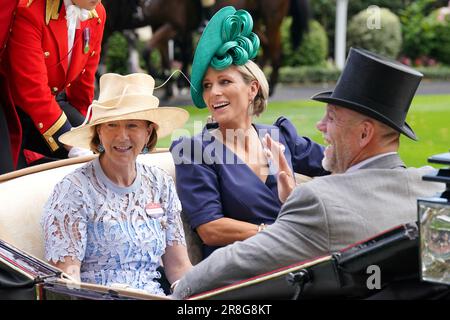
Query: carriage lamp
{"points": [[434, 225]]}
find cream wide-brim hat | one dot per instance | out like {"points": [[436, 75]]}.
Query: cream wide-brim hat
{"points": [[127, 97]]}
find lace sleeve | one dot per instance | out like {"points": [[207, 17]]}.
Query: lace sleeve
{"points": [[172, 206], [64, 223]]}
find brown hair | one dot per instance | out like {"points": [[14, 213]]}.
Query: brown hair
{"points": [[95, 141]]}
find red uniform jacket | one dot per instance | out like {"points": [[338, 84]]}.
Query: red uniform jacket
{"points": [[7, 13], [36, 65], [6, 19]]}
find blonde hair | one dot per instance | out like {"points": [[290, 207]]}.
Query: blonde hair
{"points": [[250, 71], [95, 141]]}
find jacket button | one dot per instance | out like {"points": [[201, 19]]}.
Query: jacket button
{"points": [[92, 53], [40, 125], [68, 85], [55, 89], [99, 21], [84, 70], [46, 54]]}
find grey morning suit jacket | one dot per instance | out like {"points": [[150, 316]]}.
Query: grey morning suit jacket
{"points": [[320, 216]]}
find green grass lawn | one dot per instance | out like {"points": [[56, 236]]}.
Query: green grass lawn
{"points": [[429, 117]]}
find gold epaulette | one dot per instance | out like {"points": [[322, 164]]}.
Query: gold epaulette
{"points": [[93, 14], [54, 6], [52, 10]]}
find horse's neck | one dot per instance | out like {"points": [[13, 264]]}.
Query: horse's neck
{"points": [[120, 14]]}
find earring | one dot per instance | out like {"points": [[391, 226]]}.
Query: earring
{"points": [[145, 150], [100, 148]]}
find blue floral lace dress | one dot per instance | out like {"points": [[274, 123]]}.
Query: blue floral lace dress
{"points": [[115, 232]]}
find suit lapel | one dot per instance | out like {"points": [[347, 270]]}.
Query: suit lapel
{"points": [[391, 161], [77, 56], [58, 29]]}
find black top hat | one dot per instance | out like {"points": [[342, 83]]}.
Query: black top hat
{"points": [[378, 87]]}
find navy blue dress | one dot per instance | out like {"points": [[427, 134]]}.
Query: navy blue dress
{"points": [[213, 182]]}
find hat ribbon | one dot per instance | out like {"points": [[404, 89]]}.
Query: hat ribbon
{"points": [[95, 102], [89, 111]]}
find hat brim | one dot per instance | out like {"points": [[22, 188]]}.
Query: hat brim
{"points": [[166, 118], [207, 46], [327, 98]]}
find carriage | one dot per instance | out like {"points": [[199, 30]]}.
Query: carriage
{"points": [[350, 273]]}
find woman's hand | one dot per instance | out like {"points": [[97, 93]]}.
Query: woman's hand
{"points": [[176, 262], [275, 153], [70, 267]]}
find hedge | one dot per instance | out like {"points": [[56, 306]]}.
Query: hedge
{"points": [[313, 49], [320, 74], [385, 38]]}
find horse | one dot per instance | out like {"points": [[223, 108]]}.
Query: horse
{"points": [[179, 19], [168, 19], [268, 16]]}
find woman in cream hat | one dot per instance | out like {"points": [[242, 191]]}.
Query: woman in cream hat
{"points": [[110, 221], [231, 193]]}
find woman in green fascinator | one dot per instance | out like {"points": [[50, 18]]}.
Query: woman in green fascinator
{"points": [[225, 177]]}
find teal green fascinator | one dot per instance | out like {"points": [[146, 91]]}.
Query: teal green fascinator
{"points": [[227, 39]]}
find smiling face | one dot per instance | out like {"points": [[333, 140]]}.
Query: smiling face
{"points": [[123, 140], [228, 97], [86, 4], [341, 131]]}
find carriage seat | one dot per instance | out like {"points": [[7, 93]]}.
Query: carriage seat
{"points": [[23, 194]]}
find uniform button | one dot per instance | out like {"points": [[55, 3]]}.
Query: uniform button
{"points": [[92, 53], [46, 54], [40, 125], [84, 70], [10, 30], [55, 89], [51, 140], [99, 20], [68, 85]]}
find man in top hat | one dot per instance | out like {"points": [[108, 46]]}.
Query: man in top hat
{"points": [[50, 63], [369, 191], [6, 20]]}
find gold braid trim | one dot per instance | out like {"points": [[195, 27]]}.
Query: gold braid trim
{"points": [[53, 7], [48, 135], [52, 10], [93, 14]]}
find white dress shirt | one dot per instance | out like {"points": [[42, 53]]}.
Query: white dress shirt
{"points": [[74, 15]]}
